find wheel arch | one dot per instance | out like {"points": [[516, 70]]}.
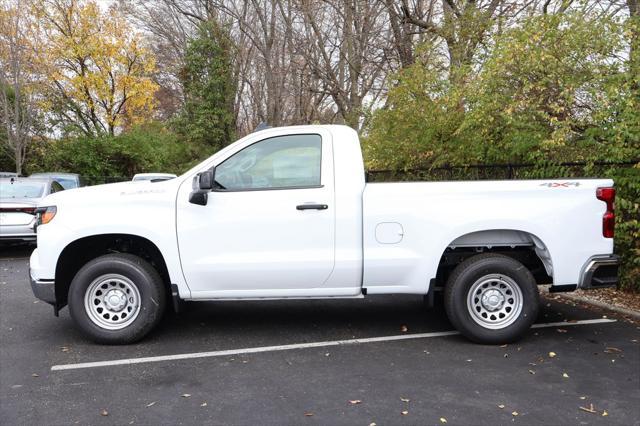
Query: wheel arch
{"points": [[80, 251], [522, 245]]}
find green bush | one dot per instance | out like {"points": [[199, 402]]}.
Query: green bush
{"points": [[147, 148]]}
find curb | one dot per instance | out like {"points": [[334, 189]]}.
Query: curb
{"points": [[599, 304]]}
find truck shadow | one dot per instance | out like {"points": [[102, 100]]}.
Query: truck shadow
{"points": [[312, 319]]}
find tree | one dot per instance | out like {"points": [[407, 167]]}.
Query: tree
{"points": [[18, 81], [550, 89], [97, 67], [547, 90], [207, 118], [345, 44]]}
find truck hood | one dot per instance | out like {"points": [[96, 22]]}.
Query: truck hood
{"points": [[112, 194]]}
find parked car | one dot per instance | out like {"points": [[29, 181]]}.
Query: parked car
{"points": [[67, 180], [286, 213], [18, 201], [8, 174], [154, 177]]}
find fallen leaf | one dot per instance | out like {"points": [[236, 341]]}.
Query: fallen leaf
{"points": [[561, 330], [185, 395], [64, 349], [612, 350], [589, 410], [501, 406], [204, 404], [35, 375], [565, 375], [308, 414], [404, 399], [151, 404], [514, 413], [404, 413], [604, 413], [583, 397], [532, 372], [443, 420], [354, 401], [552, 354], [104, 413], [327, 354], [404, 328]]}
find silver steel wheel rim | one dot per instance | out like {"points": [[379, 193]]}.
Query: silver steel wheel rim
{"points": [[112, 301], [494, 301]]}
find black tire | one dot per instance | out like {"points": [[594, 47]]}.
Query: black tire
{"points": [[140, 274], [485, 272]]}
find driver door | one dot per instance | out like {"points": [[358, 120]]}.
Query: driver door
{"points": [[268, 227]]}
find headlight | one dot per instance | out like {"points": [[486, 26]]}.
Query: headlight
{"points": [[45, 215]]}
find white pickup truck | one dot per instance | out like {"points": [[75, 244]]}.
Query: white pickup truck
{"points": [[285, 213]]}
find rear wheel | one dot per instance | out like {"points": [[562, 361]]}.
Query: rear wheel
{"points": [[492, 299], [117, 299]]}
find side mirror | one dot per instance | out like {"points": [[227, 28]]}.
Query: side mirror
{"points": [[205, 180], [202, 185]]}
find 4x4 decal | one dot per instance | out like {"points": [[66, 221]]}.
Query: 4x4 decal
{"points": [[560, 184]]}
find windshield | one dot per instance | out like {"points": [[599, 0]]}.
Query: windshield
{"points": [[21, 189], [147, 177]]}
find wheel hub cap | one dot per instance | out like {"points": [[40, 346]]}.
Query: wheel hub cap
{"points": [[115, 300], [492, 300]]}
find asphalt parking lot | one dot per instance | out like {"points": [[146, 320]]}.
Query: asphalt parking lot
{"points": [[574, 372]]}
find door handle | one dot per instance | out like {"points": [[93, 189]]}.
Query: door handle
{"points": [[312, 207]]}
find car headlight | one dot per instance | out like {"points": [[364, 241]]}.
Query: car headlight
{"points": [[45, 215]]}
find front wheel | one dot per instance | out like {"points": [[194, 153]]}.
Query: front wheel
{"points": [[117, 299], [492, 299]]}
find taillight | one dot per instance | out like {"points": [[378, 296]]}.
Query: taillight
{"points": [[608, 195], [28, 210]]}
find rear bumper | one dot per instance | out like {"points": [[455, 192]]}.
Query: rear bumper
{"points": [[17, 236], [599, 272], [17, 233]]}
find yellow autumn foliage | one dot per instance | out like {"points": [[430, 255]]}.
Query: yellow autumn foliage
{"points": [[97, 68]]}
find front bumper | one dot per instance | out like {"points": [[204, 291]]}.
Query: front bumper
{"points": [[44, 290], [600, 272]]}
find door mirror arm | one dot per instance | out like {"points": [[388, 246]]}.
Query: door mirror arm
{"points": [[202, 184]]}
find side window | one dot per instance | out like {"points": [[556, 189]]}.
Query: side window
{"points": [[291, 161], [56, 187]]}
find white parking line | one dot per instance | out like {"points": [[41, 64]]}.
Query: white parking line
{"points": [[212, 354]]}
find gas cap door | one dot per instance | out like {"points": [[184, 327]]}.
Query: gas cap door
{"points": [[389, 233]]}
